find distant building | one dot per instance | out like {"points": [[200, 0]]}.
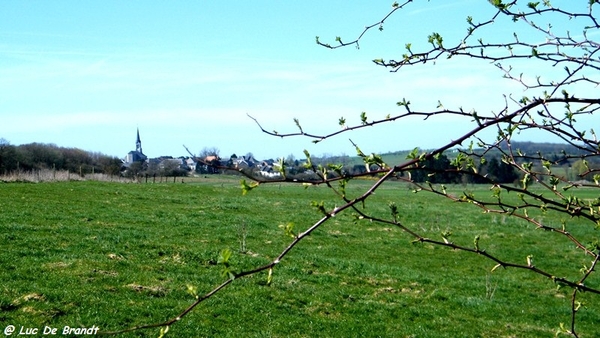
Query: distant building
{"points": [[209, 164], [136, 155], [244, 162], [191, 163]]}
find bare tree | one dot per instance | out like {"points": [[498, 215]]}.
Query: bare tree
{"points": [[208, 151]]}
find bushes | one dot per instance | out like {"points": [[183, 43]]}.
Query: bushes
{"points": [[39, 156]]}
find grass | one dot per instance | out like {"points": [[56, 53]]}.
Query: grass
{"points": [[119, 255], [51, 175]]}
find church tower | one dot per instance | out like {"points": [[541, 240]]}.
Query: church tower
{"points": [[136, 155], [138, 142]]}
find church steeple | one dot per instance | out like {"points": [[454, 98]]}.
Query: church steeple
{"points": [[138, 142]]}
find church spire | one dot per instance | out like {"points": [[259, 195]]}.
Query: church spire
{"points": [[138, 142]]}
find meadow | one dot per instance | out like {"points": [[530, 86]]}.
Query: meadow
{"points": [[118, 255]]}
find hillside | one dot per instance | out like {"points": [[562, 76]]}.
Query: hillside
{"points": [[552, 151]]}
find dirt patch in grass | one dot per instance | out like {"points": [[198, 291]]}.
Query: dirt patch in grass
{"points": [[156, 291]]}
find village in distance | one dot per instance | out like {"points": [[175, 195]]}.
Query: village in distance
{"points": [[40, 162]]}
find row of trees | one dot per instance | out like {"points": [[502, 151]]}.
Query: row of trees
{"points": [[443, 170], [488, 169], [36, 156], [564, 158]]}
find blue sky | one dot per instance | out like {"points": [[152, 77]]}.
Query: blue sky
{"points": [[88, 74]]}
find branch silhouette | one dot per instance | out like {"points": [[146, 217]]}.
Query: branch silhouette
{"points": [[551, 110]]}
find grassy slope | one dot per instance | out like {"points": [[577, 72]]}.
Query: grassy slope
{"points": [[116, 255]]}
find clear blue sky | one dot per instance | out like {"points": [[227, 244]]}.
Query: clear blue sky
{"points": [[88, 74]]}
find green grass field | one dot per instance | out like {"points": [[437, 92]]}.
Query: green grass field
{"points": [[118, 255]]}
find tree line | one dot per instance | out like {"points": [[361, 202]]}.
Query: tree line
{"points": [[569, 161], [443, 170], [37, 156]]}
